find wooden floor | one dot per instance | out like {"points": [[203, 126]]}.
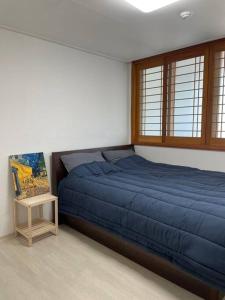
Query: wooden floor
{"points": [[72, 266]]}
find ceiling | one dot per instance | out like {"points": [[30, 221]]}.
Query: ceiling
{"points": [[113, 28]]}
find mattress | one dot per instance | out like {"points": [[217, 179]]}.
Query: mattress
{"points": [[173, 211]]}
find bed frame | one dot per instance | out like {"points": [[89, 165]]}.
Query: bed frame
{"points": [[137, 254]]}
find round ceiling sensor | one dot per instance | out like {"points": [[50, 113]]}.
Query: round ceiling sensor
{"points": [[186, 14]]}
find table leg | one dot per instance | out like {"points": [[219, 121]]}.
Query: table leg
{"points": [[56, 216], [41, 211], [15, 217], [29, 227]]}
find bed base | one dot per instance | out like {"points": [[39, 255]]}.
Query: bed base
{"points": [[139, 255], [154, 263]]}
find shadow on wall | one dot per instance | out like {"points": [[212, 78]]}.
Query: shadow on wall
{"points": [[22, 212], [11, 196]]}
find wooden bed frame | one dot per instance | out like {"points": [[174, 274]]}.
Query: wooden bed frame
{"points": [[138, 254]]}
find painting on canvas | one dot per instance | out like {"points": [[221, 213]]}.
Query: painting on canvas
{"points": [[29, 174]]}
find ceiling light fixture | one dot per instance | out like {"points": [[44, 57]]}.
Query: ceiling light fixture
{"points": [[186, 14], [147, 6]]}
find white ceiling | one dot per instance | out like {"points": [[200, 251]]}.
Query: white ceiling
{"points": [[113, 28]]}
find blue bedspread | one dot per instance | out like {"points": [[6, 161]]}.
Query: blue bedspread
{"points": [[176, 212]]}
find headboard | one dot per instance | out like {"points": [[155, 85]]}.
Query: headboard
{"points": [[58, 169]]}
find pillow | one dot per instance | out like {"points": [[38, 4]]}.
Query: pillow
{"points": [[73, 160], [115, 155], [95, 168]]}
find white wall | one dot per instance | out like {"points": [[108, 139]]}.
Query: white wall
{"points": [[203, 159], [54, 98]]}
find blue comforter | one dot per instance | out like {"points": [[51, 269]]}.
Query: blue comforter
{"points": [[176, 212]]}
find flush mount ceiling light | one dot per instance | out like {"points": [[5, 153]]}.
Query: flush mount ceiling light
{"points": [[186, 14], [150, 5]]}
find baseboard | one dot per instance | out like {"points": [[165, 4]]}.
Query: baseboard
{"points": [[6, 237]]}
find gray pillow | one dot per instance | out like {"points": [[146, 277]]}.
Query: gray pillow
{"points": [[115, 155], [73, 160]]}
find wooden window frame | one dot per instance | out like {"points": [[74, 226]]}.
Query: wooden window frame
{"points": [[218, 143], [206, 141], [136, 103]]}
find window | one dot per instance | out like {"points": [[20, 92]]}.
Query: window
{"points": [[185, 90], [151, 93], [178, 98], [218, 117]]}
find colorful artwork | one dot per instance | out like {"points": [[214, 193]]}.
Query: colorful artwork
{"points": [[29, 174]]}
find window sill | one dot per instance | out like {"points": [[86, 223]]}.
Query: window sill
{"points": [[182, 146]]}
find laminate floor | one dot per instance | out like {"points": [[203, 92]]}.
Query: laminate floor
{"points": [[72, 266]]}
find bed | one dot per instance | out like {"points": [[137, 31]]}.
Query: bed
{"points": [[169, 219]]}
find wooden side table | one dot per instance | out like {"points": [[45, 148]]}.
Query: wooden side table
{"points": [[37, 227]]}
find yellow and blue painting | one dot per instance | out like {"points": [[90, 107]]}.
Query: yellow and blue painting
{"points": [[29, 174]]}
